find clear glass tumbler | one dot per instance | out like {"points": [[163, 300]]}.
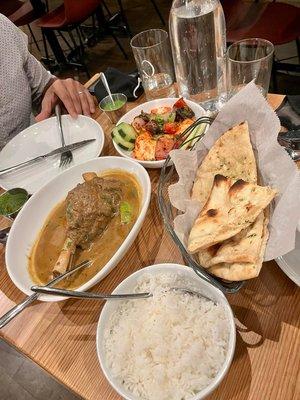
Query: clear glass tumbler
{"points": [[247, 60], [116, 109], [152, 53]]}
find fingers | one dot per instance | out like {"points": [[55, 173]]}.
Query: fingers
{"points": [[84, 95], [47, 105], [79, 98], [63, 90], [71, 87], [74, 96]]}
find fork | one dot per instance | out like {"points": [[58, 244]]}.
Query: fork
{"points": [[66, 157], [183, 140]]}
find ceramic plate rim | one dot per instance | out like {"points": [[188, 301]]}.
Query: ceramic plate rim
{"points": [[284, 266]]}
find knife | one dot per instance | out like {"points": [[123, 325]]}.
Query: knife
{"points": [[60, 150]]}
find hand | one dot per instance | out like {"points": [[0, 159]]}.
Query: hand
{"points": [[74, 96]]}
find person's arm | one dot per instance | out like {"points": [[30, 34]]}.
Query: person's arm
{"points": [[47, 90], [39, 79]]}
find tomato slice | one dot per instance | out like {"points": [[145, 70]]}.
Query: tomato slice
{"points": [[180, 103], [170, 128]]}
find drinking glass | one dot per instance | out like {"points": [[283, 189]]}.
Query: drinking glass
{"points": [[152, 53], [115, 110], [247, 60]]}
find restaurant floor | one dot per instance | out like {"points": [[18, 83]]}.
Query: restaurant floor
{"points": [[20, 378]]}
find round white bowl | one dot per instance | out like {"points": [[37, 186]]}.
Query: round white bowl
{"points": [[147, 107], [32, 217], [127, 286]]}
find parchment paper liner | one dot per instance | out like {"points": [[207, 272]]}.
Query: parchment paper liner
{"points": [[274, 164]]}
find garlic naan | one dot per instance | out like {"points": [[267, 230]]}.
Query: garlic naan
{"points": [[229, 209], [232, 156], [243, 247], [243, 271]]}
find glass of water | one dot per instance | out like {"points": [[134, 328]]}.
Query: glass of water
{"points": [[152, 53], [247, 60]]}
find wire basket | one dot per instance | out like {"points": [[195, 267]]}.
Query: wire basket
{"points": [[168, 177]]}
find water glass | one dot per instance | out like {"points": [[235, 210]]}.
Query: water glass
{"points": [[152, 53], [247, 60]]}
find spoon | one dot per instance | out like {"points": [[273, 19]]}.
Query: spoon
{"points": [[105, 84], [105, 296], [13, 312]]}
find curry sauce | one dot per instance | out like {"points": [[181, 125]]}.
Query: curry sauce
{"points": [[52, 236]]}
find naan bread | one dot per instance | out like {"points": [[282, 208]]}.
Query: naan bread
{"points": [[232, 156], [243, 271], [225, 146], [206, 255], [229, 209], [243, 247]]}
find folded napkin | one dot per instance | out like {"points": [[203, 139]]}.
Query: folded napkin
{"points": [[289, 113], [119, 82]]}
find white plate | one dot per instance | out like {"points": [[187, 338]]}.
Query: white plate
{"points": [[32, 217], [42, 138], [290, 262], [127, 287], [147, 107]]}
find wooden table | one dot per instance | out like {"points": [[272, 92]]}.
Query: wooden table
{"points": [[60, 337]]}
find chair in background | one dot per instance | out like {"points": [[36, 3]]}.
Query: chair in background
{"points": [[23, 13], [8, 7], [277, 22], [122, 14], [158, 12], [67, 18]]}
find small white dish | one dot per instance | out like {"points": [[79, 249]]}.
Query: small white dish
{"points": [[32, 217], [290, 262], [41, 138], [127, 286], [147, 107]]}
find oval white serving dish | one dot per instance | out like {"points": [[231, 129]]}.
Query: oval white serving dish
{"points": [[32, 217]]}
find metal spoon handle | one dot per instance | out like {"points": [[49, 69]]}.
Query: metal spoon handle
{"points": [[13, 312], [105, 84], [6, 318], [89, 295]]}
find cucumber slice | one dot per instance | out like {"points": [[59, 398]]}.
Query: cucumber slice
{"points": [[127, 132], [120, 141]]}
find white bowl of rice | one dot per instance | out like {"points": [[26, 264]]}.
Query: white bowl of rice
{"points": [[171, 346]]}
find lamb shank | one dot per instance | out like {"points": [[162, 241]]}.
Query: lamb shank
{"points": [[90, 206]]}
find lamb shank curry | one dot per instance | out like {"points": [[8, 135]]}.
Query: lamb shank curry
{"points": [[91, 223]]}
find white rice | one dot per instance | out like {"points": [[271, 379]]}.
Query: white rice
{"points": [[168, 347]]}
